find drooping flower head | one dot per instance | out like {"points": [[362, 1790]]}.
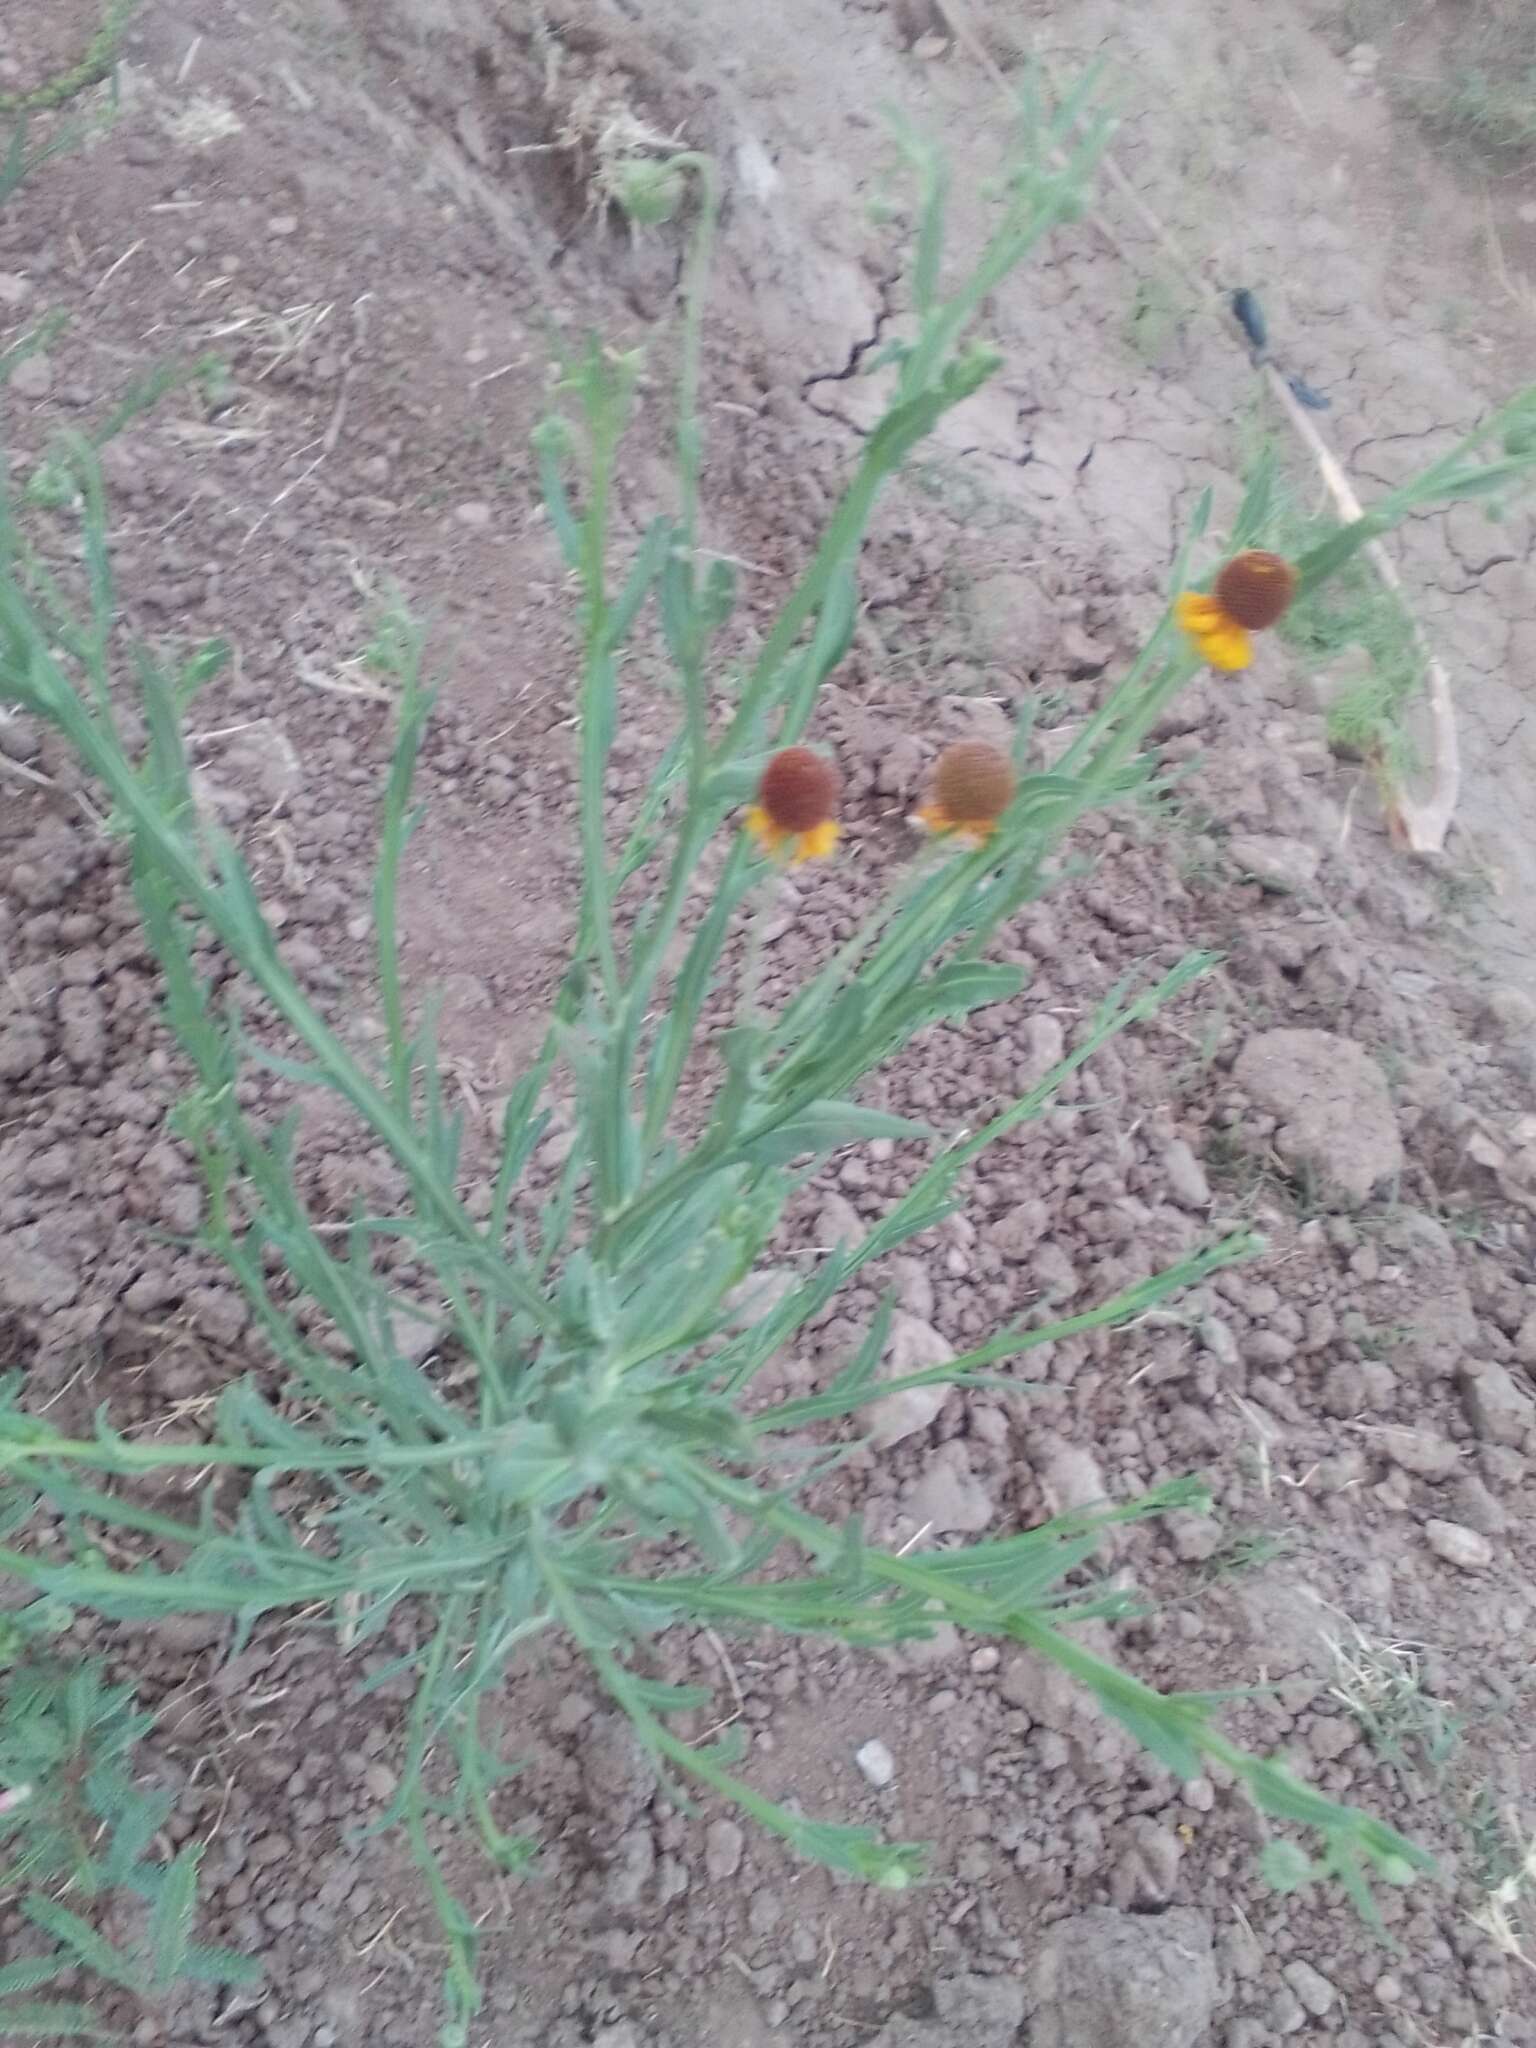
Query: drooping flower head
{"points": [[973, 784], [795, 816], [1252, 592]]}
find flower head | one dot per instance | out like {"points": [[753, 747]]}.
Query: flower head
{"points": [[1252, 591], [794, 817], [1255, 588], [973, 785]]}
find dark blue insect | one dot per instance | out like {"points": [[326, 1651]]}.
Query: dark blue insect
{"points": [[1249, 315], [1308, 394]]}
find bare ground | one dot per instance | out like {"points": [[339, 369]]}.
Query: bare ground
{"points": [[341, 201]]}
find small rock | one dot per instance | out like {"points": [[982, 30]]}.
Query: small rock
{"points": [[32, 377], [1069, 1475], [901, 766], [766, 1912], [1283, 866], [83, 1027], [1285, 2012], [1125, 1980], [633, 1866], [22, 1048], [414, 1332], [948, 1497], [14, 290], [1313, 1989], [187, 1633], [380, 1782], [1146, 1866], [837, 1222], [1185, 1176], [1267, 1348], [283, 224], [914, 1287], [621, 2036], [1043, 1042], [984, 2012], [474, 514], [573, 1711], [1081, 655], [1017, 1233], [913, 1346], [1508, 1013], [1421, 1451], [1478, 1509], [723, 1844], [1498, 1407], [30, 1278], [1330, 1738], [876, 1764], [1054, 1273], [1335, 1111], [1220, 1340], [1459, 1545]]}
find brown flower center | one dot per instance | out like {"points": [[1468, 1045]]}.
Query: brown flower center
{"points": [[1255, 588], [973, 782], [799, 789]]}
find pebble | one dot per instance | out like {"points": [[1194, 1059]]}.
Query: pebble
{"points": [[723, 1844], [913, 1346], [1285, 867], [876, 1764], [1185, 1176], [900, 766], [1417, 1450], [475, 514], [573, 1711], [1312, 1988], [1220, 1340], [1459, 1545], [32, 377], [283, 224], [1054, 1273], [1044, 1043], [949, 1497], [1499, 1408]]}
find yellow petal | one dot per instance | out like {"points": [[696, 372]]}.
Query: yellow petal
{"points": [[770, 837], [933, 818], [817, 843], [1227, 647], [1197, 612]]}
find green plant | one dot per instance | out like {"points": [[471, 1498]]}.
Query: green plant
{"points": [[76, 1824], [1161, 307], [1358, 637], [1381, 1684], [1482, 95], [1473, 81], [601, 1475], [90, 68]]}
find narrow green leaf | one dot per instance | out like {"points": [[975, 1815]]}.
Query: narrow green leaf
{"points": [[823, 1126], [170, 1926], [1286, 1867], [31, 1973], [85, 1944]]}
